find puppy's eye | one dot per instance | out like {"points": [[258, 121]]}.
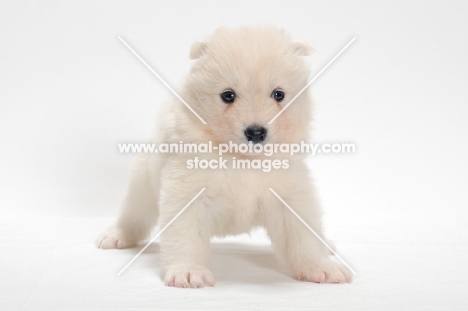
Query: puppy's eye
{"points": [[277, 95], [228, 96]]}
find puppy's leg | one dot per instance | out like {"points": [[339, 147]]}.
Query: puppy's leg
{"points": [[140, 209], [185, 248], [308, 258]]}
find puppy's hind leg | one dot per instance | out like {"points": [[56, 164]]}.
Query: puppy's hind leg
{"points": [[140, 209]]}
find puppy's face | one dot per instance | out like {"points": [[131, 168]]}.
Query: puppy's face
{"points": [[241, 80]]}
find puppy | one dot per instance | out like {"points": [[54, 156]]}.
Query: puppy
{"points": [[239, 81]]}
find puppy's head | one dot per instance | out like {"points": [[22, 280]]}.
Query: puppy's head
{"points": [[242, 78]]}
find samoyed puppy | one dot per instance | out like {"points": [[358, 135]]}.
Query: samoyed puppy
{"points": [[240, 80]]}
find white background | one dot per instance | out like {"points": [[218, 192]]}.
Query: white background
{"points": [[70, 91]]}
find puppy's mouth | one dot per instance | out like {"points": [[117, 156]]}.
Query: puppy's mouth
{"points": [[251, 154]]}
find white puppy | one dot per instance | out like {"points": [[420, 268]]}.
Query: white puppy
{"points": [[239, 81]]}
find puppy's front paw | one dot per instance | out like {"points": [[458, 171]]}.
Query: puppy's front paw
{"points": [[324, 271], [115, 238], [189, 276]]}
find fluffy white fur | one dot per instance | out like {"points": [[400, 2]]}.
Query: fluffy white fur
{"points": [[252, 62]]}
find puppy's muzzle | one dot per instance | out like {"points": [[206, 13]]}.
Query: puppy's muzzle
{"points": [[255, 133]]}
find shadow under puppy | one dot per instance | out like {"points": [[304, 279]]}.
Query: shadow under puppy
{"points": [[240, 79]]}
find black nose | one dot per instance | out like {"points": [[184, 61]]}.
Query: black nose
{"points": [[255, 133]]}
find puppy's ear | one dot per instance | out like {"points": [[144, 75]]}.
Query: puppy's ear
{"points": [[302, 48], [198, 49]]}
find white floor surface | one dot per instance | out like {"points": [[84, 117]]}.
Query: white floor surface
{"points": [[52, 264]]}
